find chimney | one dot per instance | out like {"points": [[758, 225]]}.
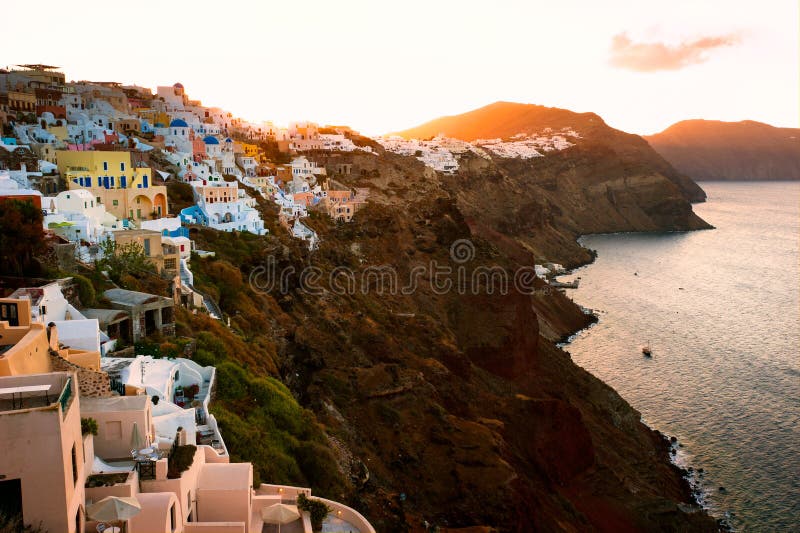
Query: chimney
{"points": [[52, 336]]}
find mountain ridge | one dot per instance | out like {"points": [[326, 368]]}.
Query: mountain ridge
{"points": [[718, 150], [507, 119]]}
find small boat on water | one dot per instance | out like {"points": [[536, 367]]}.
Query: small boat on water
{"points": [[646, 351]]}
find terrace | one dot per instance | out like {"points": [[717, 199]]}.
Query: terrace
{"points": [[36, 391]]}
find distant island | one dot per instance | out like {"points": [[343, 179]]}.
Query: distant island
{"points": [[714, 150]]}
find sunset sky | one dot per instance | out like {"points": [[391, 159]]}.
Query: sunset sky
{"points": [[381, 66]]}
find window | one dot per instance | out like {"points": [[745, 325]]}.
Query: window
{"points": [[146, 246], [98, 201], [115, 202], [172, 522], [122, 167], [105, 165], [8, 313], [123, 182], [113, 430], [74, 465]]}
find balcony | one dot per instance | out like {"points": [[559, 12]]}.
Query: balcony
{"points": [[36, 391]]}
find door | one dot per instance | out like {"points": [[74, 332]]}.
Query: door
{"points": [[11, 499]]}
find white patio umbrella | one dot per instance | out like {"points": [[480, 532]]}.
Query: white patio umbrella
{"points": [[136, 438], [114, 509], [280, 513]]}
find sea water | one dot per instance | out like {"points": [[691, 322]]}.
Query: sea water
{"points": [[721, 312]]}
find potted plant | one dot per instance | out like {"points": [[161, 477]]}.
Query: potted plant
{"points": [[88, 425], [317, 509]]}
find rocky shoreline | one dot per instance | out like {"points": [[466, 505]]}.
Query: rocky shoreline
{"points": [[692, 476]]}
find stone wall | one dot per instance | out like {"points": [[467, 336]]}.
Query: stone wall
{"points": [[91, 383]]}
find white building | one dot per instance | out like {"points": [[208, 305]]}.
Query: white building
{"points": [[172, 232], [304, 168], [77, 215], [49, 306], [304, 233], [183, 388], [248, 165], [9, 183], [221, 205]]}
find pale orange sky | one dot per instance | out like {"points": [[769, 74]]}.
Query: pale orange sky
{"points": [[382, 67]]}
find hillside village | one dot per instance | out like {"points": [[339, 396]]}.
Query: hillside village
{"points": [[108, 419], [147, 385], [441, 153]]}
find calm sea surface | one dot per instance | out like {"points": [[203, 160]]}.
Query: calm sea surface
{"points": [[721, 312]]}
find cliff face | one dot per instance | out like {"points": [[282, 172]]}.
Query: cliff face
{"points": [[452, 406], [624, 154], [714, 150]]}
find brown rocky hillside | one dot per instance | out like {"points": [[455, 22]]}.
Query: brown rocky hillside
{"points": [[505, 119], [452, 407]]}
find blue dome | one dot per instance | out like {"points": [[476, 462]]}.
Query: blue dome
{"points": [[210, 140], [178, 123], [228, 140]]}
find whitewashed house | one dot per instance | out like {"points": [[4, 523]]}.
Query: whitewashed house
{"points": [[76, 215]]}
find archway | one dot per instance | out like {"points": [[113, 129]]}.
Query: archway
{"points": [[141, 207], [160, 205]]}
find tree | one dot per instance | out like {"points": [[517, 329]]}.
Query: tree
{"points": [[124, 259], [21, 238]]}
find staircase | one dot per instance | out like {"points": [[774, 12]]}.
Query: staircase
{"points": [[187, 279]]}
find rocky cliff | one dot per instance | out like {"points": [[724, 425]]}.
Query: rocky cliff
{"points": [[505, 120], [448, 403], [714, 150]]}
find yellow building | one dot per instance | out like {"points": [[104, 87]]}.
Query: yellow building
{"points": [[60, 132], [250, 150], [26, 346], [125, 191], [153, 116]]}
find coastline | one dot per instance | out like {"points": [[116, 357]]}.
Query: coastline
{"points": [[679, 458]]}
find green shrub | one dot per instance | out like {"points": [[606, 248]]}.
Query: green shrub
{"points": [[316, 508], [204, 358], [180, 460], [212, 344], [231, 381], [86, 291], [317, 462], [88, 425]]}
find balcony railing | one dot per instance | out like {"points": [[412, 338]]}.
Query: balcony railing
{"points": [[66, 396]]}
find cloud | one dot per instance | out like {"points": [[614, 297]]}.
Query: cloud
{"points": [[650, 57]]}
